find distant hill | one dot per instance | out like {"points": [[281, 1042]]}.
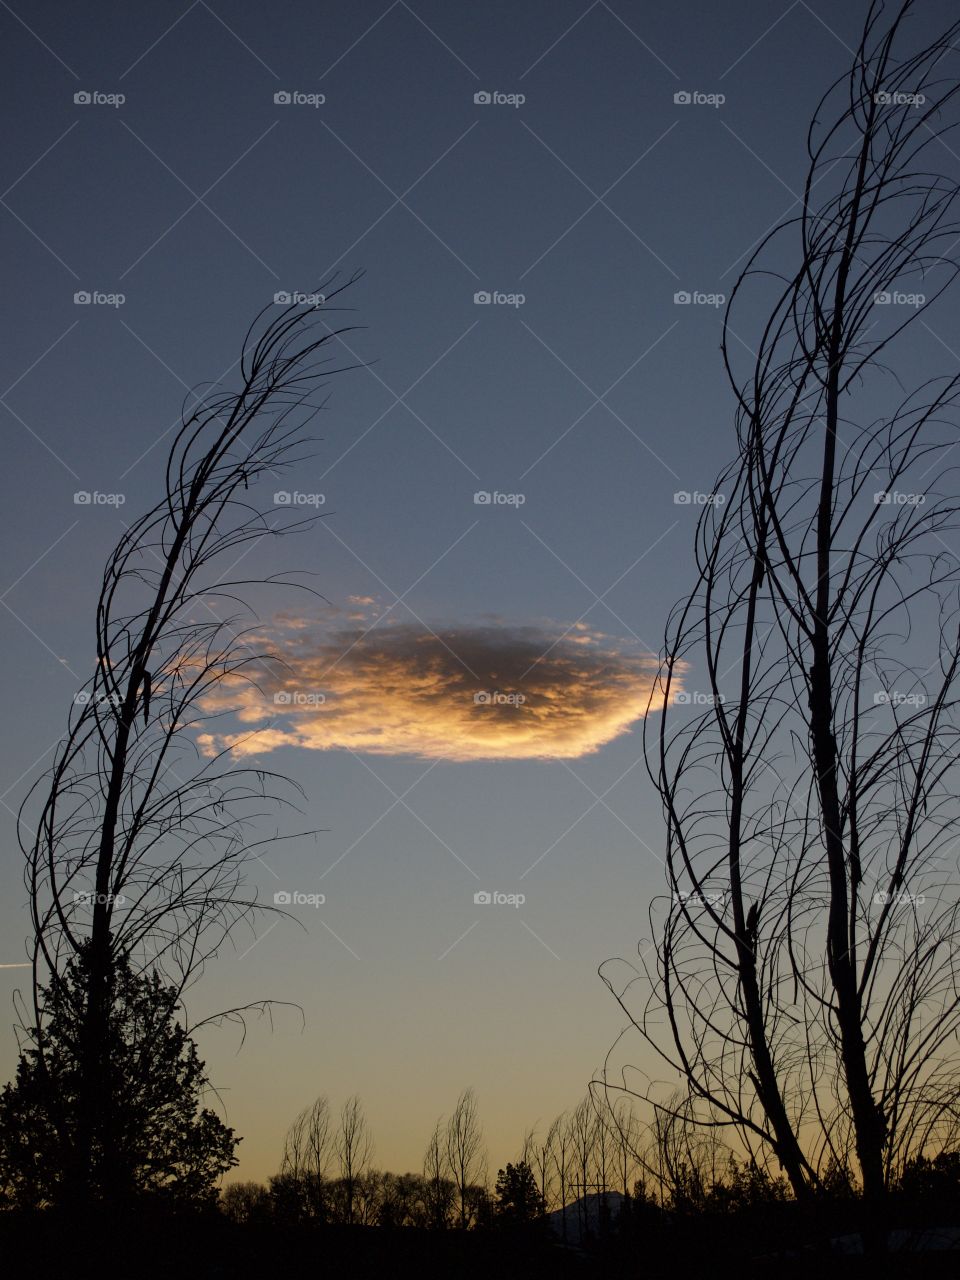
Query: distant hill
{"points": [[584, 1216]]}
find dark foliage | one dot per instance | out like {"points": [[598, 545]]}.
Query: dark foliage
{"points": [[160, 1142]]}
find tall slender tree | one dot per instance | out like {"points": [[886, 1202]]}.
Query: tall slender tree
{"points": [[805, 985], [140, 845], [353, 1143], [464, 1150]]}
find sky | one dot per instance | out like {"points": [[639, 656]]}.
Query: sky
{"points": [[549, 203]]}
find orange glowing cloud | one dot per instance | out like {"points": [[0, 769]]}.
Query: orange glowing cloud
{"points": [[478, 692]]}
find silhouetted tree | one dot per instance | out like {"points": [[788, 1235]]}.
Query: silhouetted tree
{"points": [[744, 1186], [582, 1131], [541, 1157], [353, 1144], [518, 1202], [440, 1190], [307, 1153], [162, 1142], [246, 1202], [139, 850], [806, 974], [621, 1119], [288, 1200], [932, 1184], [403, 1201], [464, 1150], [562, 1145]]}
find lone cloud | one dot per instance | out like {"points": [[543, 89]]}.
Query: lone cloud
{"points": [[483, 692]]}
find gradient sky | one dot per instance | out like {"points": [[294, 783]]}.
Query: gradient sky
{"points": [[597, 400]]}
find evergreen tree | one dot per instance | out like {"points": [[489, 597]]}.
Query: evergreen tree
{"points": [[152, 1137], [518, 1199]]}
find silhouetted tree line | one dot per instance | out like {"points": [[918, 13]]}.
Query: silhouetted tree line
{"points": [[596, 1177]]}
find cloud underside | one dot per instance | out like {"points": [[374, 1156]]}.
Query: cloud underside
{"points": [[456, 693]]}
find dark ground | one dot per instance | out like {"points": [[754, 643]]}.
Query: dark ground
{"points": [[151, 1248]]}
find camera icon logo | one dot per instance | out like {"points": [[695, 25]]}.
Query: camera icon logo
{"points": [[283, 299], [881, 698], [481, 498], [482, 699], [282, 498], [681, 298], [482, 99], [882, 299], [682, 498], [682, 98], [82, 498], [82, 298], [283, 698], [683, 699], [482, 898], [281, 898], [82, 98], [282, 98], [482, 298], [82, 698]]}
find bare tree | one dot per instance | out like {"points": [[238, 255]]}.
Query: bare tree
{"points": [[307, 1153], [319, 1138], [603, 1162], [353, 1144], [806, 983], [438, 1187], [293, 1162], [543, 1161], [527, 1147], [623, 1125], [140, 846], [686, 1154], [582, 1132], [562, 1142], [464, 1150]]}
